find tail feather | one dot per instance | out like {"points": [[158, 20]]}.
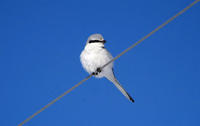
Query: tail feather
{"points": [[117, 84]]}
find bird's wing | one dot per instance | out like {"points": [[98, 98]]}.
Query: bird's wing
{"points": [[112, 78]]}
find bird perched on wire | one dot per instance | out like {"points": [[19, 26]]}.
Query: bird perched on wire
{"points": [[95, 56]]}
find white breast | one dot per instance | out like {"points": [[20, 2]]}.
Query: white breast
{"points": [[94, 58]]}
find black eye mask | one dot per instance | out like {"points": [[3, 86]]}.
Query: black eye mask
{"points": [[97, 41]]}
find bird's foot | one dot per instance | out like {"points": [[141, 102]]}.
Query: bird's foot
{"points": [[97, 71], [94, 73]]}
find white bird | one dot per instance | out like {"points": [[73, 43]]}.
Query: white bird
{"points": [[94, 56]]}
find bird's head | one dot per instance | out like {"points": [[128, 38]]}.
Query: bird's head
{"points": [[95, 39]]}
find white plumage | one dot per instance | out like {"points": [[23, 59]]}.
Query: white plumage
{"points": [[94, 56]]}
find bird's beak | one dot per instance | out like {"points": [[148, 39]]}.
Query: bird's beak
{"points": [[104, 41]]}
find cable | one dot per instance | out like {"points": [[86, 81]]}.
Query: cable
{"points": [[55, 100], [155, 30], [122, 53]]}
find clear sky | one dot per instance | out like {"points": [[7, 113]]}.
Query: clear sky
{"points": [[41, 42]]}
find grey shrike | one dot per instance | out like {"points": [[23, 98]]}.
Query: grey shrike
{"points": [[94, 56]]}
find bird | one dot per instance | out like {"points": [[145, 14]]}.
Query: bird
{"points": [[94, 56]]}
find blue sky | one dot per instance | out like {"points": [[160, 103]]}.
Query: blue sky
{"points": [[41, 42]]}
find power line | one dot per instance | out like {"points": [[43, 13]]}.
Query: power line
{"points": [[55, 100], [155, 30], [122, 53]]}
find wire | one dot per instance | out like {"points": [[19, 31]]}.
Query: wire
{"points": [[55, 100], [155, 30], [122, 53]]}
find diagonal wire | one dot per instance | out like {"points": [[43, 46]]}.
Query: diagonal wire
{"points": [[122, 53], [55, 100], [155, 30]]}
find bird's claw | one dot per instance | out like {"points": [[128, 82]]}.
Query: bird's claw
{"points": [[97, 71]]}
